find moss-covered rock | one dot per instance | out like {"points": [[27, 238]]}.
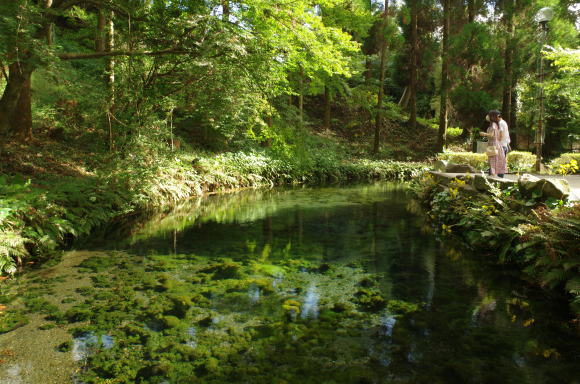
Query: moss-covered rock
{"points": [[171, 321], [227, 269], [153, 370], [65, 347], [180, 304], [369, 300], [78, 313], [402, 307]]}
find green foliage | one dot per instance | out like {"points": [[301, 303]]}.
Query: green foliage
{"points": [[12, 249], [549, 247], [564, 88], [36, 220], [517, 161], [566, 163], [454, 132], [505, 226]]}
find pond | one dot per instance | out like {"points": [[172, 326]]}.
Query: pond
{"points": [[306, 285]]}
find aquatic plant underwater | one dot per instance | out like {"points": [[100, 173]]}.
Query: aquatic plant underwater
{"points": [[329, 285]]}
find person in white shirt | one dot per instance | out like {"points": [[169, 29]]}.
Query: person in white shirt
{"points": [[504, 134]]}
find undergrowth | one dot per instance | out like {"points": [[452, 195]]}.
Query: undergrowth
{"points": [[539, 237], [41, 214]]}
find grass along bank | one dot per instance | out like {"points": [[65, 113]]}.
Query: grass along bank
{"points": [[538, 236], [54, 195]]}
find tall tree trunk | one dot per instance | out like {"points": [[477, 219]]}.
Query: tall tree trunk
{"points": [[383, 53], [301, 95], [404, 100], [471, 11], [466, 80], [15, 104], [109, 46], [48, 26], [513, 126], [444, 77], [326, 108], [16, 101], [100, 33], [508, 62], [413, 67], [368, 70], [23, 116]]}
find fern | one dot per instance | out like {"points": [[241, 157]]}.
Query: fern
{"points": [[12, 251]]}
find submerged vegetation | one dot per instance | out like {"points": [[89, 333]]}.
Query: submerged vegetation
{"points": [[331, 305]]}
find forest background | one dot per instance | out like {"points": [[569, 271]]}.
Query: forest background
{"points": [[225, 75], [109, 106]]}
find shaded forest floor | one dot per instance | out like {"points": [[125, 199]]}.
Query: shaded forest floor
{"points": [[44, 156]]}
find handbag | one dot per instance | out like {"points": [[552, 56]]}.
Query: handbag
{"points": [[491, 151]]}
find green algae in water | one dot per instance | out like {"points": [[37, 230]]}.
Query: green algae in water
{"points": [[11, 320], [332, 285]]}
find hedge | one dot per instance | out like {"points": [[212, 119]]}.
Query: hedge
{"points": [[517, 161]]}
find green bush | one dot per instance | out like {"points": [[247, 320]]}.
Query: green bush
{"points": [[454, 132], [564, 159], [517, 161], [476, 160]]}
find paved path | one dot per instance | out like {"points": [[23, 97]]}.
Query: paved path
{"points": [[573, 181]]}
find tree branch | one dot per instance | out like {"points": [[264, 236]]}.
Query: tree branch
{"points": [[66, 4]]}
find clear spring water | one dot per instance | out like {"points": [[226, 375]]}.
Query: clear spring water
{"points": [[309, 285]]}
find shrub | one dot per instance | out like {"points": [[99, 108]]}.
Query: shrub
{"points": [[476, 160], [564, 161], [517, 161], [526, 233], [454, 132]]}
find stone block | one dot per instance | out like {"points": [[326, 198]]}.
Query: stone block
{"points": [[555, 188], [459, 168], [440, 165], [480, 184]]}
